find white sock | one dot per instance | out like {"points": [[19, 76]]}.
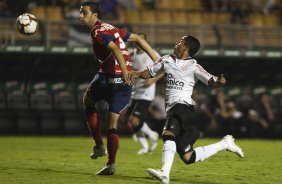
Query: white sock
{"points": [[147, 130], [143, 142], [202, 153], [169, 150]]}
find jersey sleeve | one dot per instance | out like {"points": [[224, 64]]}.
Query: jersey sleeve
{"points": [[157, 67], [201, 74], [124, 35], [105, 37]]}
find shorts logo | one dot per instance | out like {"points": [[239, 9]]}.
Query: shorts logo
{"points": [[115, 80], [137, 113], [187, 148]]}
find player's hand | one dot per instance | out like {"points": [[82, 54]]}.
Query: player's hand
{"points": [[133, 75], [220, 80], [126, 79]]}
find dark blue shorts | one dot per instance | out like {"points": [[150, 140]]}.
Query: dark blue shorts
{"points": [[110, 88]]}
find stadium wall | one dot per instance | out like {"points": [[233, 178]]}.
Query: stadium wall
{"points": [[41, 90]]}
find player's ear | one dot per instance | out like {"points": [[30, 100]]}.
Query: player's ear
{"points": [[186, 48], [95, 14]]}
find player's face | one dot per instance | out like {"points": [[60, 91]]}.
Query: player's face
{"points": [[86, 16], [180, 47]]}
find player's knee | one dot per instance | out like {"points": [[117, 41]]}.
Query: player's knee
{"points": [[189, 157], [137, 125], [167, 137], [87, 102], [89, 105], [172, 127]]}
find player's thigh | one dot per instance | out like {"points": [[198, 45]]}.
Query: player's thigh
{"points": [[179, 120], [131, 107], [97, 90], [141, 110], [119, 97], [112, 120], [185, 115]]}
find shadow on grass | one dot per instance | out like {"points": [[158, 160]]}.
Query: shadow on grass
{"points": [[118, 176]]}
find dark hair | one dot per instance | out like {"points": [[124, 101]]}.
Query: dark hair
{"points": [[94, 6], [193, 44]]}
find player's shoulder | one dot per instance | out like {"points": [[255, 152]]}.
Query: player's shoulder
{"points": [[192, 61], [104, 28], [168, 58], [107, 26]]}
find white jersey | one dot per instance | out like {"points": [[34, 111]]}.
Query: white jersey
{"points": [[140, 62], [180, 76]]}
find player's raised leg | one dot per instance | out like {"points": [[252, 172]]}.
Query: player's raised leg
{"points": [[93, 123], [202, 153]]}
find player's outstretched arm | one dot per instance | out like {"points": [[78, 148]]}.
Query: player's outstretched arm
{"points": [[139, 74], [153, 80], [217, 81], [142, 43]]}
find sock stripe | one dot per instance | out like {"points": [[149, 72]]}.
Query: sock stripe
{"points": [[112, 131]]}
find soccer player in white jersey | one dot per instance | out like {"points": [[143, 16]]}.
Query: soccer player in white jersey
{"points": [[143, 92], [181, 74]]}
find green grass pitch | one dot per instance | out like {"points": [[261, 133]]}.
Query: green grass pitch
{"points": [[65, 160]]}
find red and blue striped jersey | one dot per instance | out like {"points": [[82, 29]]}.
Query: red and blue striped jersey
{"points": [[102, 34]]}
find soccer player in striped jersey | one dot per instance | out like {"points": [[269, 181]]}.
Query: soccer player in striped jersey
{"points": [[111, 83], [182, 72]]}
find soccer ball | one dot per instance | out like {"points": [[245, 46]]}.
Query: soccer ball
{"points": [[27, 24]]}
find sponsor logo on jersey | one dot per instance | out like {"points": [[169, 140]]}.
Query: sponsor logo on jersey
{"points": [[127, 63], [115, 80], [173, 83]]}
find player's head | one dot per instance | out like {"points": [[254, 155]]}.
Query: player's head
{"points": [[193, 44], [90, 12], [188, 46]]}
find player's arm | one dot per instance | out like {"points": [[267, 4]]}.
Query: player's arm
{"points": [[143, 44], [151, 71], [141, 74], [217, 81], [209, 79], [157, 70], [151, 81], [118, 55]]}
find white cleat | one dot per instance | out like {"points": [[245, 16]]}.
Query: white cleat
{"points": [[232, 147], [143, 151], [154, 141], [159, 175], [134, 137], [98, 152]]}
